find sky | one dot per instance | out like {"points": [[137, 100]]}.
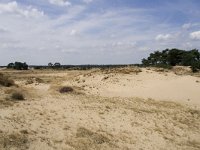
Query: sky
{"points": [[95, 31]]}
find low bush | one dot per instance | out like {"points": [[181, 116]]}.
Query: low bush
{"points": [[66, 89], [17, 96]]}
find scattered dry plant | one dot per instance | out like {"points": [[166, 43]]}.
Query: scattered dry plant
{"points": [[32, 80], [13, 141], [124, 70], [18, 96], [5, 81]]}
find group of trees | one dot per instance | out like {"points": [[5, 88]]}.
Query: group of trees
{"points": [[18, 66], [55, 65], [172, 57]]}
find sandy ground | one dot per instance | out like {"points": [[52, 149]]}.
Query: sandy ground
{"points": [[147, 109], [148, 84]]}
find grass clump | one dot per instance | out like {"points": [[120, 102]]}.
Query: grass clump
{"points": [[66, 89], [14, 141], [95, 137], [32, 80], [17, 96], [5, 103], [5, 81]]}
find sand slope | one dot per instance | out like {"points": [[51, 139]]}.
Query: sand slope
{"points": [[147, 84]]}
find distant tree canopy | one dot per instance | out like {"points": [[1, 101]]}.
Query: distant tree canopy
{"points": [[174, 57], [57, 65], [50, 64], [18, 66]]}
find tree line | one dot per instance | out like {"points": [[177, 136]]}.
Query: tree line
{"points": [[172, 57], [165, 59], [57, 65]]}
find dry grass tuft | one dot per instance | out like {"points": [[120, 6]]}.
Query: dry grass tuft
{"points": [[88, 140], [5, 81], [95, 137], [182, 70], [5, 103], [17, 96], [32, 80], [124, 70], [13, 141], [160, 70]]}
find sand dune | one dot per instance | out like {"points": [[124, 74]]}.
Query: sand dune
{"points": [[147, 84], [106, 110]]}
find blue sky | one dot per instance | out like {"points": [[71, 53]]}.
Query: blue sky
{"points": [[95, 31]]}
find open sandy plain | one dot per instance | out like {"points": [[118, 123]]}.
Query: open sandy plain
{"points": [[118, 109]]}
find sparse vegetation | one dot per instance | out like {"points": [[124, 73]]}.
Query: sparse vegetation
{"points": [[95, 110], [97, 138], [5, 103], [123, 70], [13, 141], [17, 96], [5, 81], [32, 80]]}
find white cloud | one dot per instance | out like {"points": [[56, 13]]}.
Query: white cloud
{"points": [[14, 8], [187, 26], [73, 32], [190, 25], [163, 37], [195, 35], [60, 2], [3, 30], [87, 1]]}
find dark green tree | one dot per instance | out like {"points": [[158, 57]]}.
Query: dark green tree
{"points": [[10, 65], [173, 57], [18, 66]]}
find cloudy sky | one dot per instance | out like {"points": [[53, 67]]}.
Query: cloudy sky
{"points": [[95, 31]]}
